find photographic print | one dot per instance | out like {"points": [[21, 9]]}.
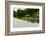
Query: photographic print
{"points": [[25, 17]]}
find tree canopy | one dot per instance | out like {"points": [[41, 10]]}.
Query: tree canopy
{"points": [[34, 13]]}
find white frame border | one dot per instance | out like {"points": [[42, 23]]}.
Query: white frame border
{"points": [[27, 29]]}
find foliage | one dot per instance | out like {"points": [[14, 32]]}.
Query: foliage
{"points": [[31, 15]]}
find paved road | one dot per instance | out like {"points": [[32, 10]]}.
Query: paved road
{"points": [[22, 23]]}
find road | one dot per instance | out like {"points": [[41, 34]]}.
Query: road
{"points": [[22, 23]]}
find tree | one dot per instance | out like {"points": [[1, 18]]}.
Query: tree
{"points": [[27, 13], [20, 13], [14, 13]]}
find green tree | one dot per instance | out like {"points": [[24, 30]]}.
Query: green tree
{"points": [[14, 13]]}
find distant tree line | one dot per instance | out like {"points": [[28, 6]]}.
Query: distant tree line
{"points": [[21, 13], [34, 13]]}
